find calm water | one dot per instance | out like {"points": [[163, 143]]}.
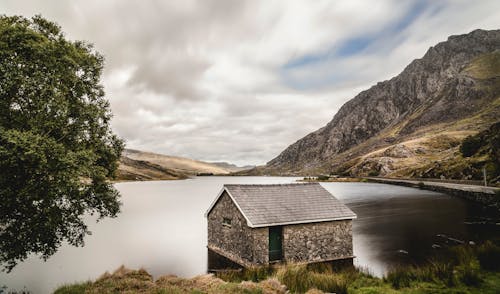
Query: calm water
{"points": [[162, 229]]}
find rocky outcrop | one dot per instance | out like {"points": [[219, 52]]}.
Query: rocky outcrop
{"points": [[438, 89], [399, 151]]}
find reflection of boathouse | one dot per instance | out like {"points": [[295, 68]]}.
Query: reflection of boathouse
{"points": [[260, 224]]}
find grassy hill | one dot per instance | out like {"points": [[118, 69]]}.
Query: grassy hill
{"points": [[138, 165]]}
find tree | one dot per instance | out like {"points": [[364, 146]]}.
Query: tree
{"points": [[470, 145], [57, 150]]}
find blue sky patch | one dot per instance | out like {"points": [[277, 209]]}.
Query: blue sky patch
{"points": [[353, 46]]}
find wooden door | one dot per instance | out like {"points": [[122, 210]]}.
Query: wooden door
{"points": [[275, 243]]}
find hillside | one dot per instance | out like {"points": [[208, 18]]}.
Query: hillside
{"points": [[139, 170], [232, 167], [408, 124], [140, 165]]}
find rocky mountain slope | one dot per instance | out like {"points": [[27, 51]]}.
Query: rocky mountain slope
{"points": [[140, 165], [405, 125]]}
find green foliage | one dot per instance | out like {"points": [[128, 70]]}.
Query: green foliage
{"points": [[296, 278], [489, 256], [299, 279], [469, 274], [485, 66], [323, 178], [470, 146], [56, 147], [254, 274], [79, 288], [458, 266], [124, 280], [236, 288], [452, 271], [479, 151]]}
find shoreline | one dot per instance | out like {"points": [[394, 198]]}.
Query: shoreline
{"points": [[487, 196]]}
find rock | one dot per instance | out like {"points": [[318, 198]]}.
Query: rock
{"points": [[384, 165], [399, 151], [432, 90]]}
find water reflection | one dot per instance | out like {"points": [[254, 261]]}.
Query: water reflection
{"points": [[404, 225], [162, 229]]}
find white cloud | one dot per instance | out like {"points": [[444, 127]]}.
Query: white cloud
{"points": [[207, 79]]}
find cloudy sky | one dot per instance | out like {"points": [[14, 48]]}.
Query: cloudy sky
{"points": [[239, 81]]}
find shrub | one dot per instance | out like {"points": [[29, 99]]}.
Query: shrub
{"points": [[295, 277], [470, 146], [488, 255], [257, 274], [331, 283], [400, 277], [461, 255], [73, 289], [299, 279], [469, 273], [432, 272], [254, 274]]}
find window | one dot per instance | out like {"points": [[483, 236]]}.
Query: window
{"points": [[226, 222]]}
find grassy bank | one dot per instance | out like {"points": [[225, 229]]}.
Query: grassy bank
{"points": [[460, 269], [124, 280]]}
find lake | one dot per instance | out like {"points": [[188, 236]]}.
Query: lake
{"points": [[162, 229]]}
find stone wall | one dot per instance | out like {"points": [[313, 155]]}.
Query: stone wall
{"points": [[261, 245], [237, 242], [483, 195], [315, 242]]}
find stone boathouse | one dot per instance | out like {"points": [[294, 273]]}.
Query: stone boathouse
{"points": [[251, 225]]}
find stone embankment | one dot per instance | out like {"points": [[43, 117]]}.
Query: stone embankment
{"points": [[489, 196]]}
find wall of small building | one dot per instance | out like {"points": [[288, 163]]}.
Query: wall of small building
{"points": [[261, 245], [237, 242], [312, 242], [316, 242]]}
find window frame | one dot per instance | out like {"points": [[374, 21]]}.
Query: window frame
{"points": [[227, 222]]}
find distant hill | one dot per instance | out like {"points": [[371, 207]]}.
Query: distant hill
{"points": [[140, 170], [232, 167], [140, 165], [412, 124]]}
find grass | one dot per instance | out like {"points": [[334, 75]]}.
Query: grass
{"points": [[254, 274], [485, 66], [124, 280], [458, 269], [488, 255]]}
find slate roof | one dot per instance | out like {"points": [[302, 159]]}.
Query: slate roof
{"points": [[281, 204]]}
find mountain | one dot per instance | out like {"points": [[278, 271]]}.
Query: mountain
{"points": [[232, 167], [410, 123], [140, 165], [140, 170]]}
